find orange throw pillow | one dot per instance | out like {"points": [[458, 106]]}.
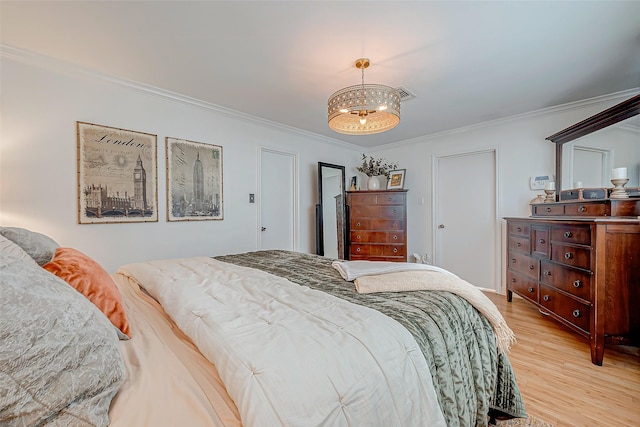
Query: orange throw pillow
{"points": [[90, 279]]}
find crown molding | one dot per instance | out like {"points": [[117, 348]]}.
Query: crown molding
{"points": [[53, 64], [616, 96]]}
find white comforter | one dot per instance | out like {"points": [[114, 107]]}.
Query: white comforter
{"points": [[290, 355]]}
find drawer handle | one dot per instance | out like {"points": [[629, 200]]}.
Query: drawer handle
{"points": [[567, 234], [519, 229], [546, 273], [357, 224], [358, 237], [577, 284], [389, 199], [548, 209], [582, 209], [531, 267], [576, 313], [513, 280], [395, 250], [530, 289], [568, 255], [357, 249], [513, 260], [541, 241], [395, 237], [518, 244], [546, 297]]}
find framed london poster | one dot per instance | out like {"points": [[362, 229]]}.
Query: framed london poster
{"points": [[117, 175], [194, 181]]}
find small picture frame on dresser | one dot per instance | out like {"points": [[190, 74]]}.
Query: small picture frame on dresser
{"points": [[396, 179]]}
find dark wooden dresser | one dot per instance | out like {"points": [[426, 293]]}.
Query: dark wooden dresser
{"points": [[579, 262], [377, 226]]}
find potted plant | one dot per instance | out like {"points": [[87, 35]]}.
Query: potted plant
{"points": [[375, 168]]}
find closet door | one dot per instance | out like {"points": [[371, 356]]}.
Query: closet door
{"points": [[466, 231]]}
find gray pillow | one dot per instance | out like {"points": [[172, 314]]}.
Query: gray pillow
{"points": [[60, 360], [7, 247], [40, 247]]}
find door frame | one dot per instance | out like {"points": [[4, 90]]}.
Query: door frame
{"points": [[294, 203], [499, 250]]}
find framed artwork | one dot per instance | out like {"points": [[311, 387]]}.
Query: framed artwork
{"points": [[117, 175], [194, 181], [396, 179]]}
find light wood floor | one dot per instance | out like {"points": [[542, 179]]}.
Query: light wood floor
{"points": [[557, 379]]}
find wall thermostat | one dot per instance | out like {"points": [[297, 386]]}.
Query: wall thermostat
{"points": [[538, 182]]}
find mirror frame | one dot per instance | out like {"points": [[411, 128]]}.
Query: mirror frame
{"points": [[319, 211], [608, 117]]}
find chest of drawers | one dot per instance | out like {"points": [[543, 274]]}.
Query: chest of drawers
{"points": [[377, 226], [583, 272]]}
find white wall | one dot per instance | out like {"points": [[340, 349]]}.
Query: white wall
{"points": [[41, 102], [522, 152]]}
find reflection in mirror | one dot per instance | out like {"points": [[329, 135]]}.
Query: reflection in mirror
{"points": [[330, 212], [589, 160]]}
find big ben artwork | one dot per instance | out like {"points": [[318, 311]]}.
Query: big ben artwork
{"points": [[117, 175]]}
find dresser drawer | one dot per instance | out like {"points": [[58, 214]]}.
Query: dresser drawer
{"points": [[377, 224], [361, 199], [364, 250], [524, 264], [577, 234], [518, 228], [540, 241], [519, 244], [390, 199], [376, 236], [574, 312], [550, 209], [376, 211], [575, 282], [524, 286], [571, 255], [590, 209]]}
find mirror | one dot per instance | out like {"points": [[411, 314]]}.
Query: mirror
{"points": [[590, 159], [330, 212], [606, 140]]}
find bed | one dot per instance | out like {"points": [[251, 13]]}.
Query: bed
{"points": [[399, 358]]}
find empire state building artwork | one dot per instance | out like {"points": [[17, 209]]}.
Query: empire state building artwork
{"points": [[194, 181], [117, 175]]}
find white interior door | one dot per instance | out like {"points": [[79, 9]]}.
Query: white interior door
{"points": [[466, 233], [278, 200]]}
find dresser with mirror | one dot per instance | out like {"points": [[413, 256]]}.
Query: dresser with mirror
{"points": [[578, 258]]}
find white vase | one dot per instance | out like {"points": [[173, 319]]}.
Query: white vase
{"points": [[373, 183]]}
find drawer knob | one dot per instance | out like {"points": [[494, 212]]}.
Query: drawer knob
{"points": [[358, 237], [358, 224], [530, 289], [531, 267], [568, 255], [395, 237], [567, 234], [395, 250], [541, 241], [577, 284], [518, 244], [546, 273], [548, 209], [389, 199], [513, 280], [582, 209], [357, 249], [577, 313], [546, 297], [519, 229], [513, 260]]}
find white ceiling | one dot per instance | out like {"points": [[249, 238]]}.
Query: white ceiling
{"points": [[467, 62]]}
